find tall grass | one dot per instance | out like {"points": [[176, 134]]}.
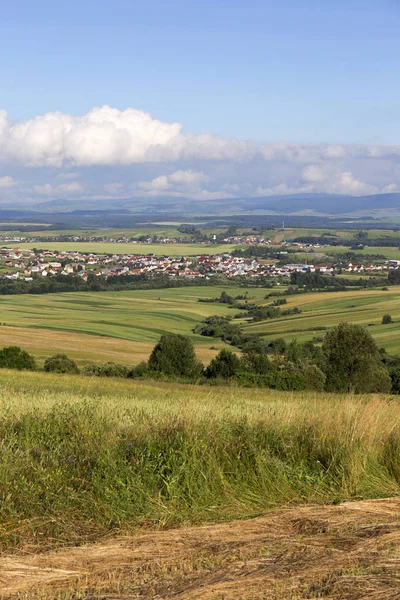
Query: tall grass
{"points": [[81, 459]]}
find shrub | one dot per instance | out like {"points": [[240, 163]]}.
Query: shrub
{"points": [[305, 376], [256, 362], [386, 319], [225, 365], [140, 370], [60, 363], [247, 379], [13, 357], [108, 369], [174, 356]]}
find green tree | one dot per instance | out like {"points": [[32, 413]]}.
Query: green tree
{"points": [[256, 362], [60, 363], [13, 357], [174, 356], [225, 298], [386, 319], [225, 365], [352, 361]]}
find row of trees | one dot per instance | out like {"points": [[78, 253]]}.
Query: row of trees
{"points": [[348, 361]]}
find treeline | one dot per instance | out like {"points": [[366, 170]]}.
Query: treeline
{"points": [[386, 241], [72, 283], [348, 361], [321, 240], [316, 279], [262, 252], [253, 311]]}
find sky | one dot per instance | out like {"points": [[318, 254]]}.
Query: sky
{"points": [[210, 99]]}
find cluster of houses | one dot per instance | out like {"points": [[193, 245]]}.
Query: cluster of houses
{"points": [[27, 264]]}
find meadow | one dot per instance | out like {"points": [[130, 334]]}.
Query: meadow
{"points": [[344, 234], [110, 232], [131, 248], [387, 252], [85, 458], [129, 323]]}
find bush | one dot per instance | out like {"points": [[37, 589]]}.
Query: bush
{"points": [[174, 356], [60, 363], [256, 362], [386, 319], [225, 365], [13, 357], [247, 379], [108, 369], [140, 370], [306, 376]]}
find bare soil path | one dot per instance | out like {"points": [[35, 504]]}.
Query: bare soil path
{"points": [[345, 552]]}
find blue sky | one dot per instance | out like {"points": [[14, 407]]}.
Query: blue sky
{"points": [[290, 72]]}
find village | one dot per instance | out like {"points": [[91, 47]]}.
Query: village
{"points": [[19, 264]]}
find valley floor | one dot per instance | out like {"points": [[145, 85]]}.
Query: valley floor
{"points": [[344, 552]]}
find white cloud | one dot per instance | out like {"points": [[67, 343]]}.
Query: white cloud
{"points": [[347, 184], [181, 184], [6, 182], [158, 184], [181, 181], [187, 178], [204, 166], [313, 173], [67, 189], [283, 189], [108, 136], [390, 188]]}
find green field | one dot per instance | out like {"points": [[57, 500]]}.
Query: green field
{"points": [[326, 309], [291, 233], [161, 231], [389, 253], [139, 317], [124, 326], [130, 248]]}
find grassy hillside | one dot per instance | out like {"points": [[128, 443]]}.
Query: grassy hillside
{"points": [[81, 458], [140, 317], [325, 309], [124, 326]]}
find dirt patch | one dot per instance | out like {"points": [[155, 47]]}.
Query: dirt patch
{"points": [[345, 552]]}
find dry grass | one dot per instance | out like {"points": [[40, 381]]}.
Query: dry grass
{"points": [[345, 552], [83, 348]]}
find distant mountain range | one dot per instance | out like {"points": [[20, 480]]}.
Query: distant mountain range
{"points": [[378, 206]]}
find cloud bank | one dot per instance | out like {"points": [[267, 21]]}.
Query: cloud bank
{"points": [[180, 164]]}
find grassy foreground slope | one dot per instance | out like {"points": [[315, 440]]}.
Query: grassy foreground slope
{"points": [[82, 458]]}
